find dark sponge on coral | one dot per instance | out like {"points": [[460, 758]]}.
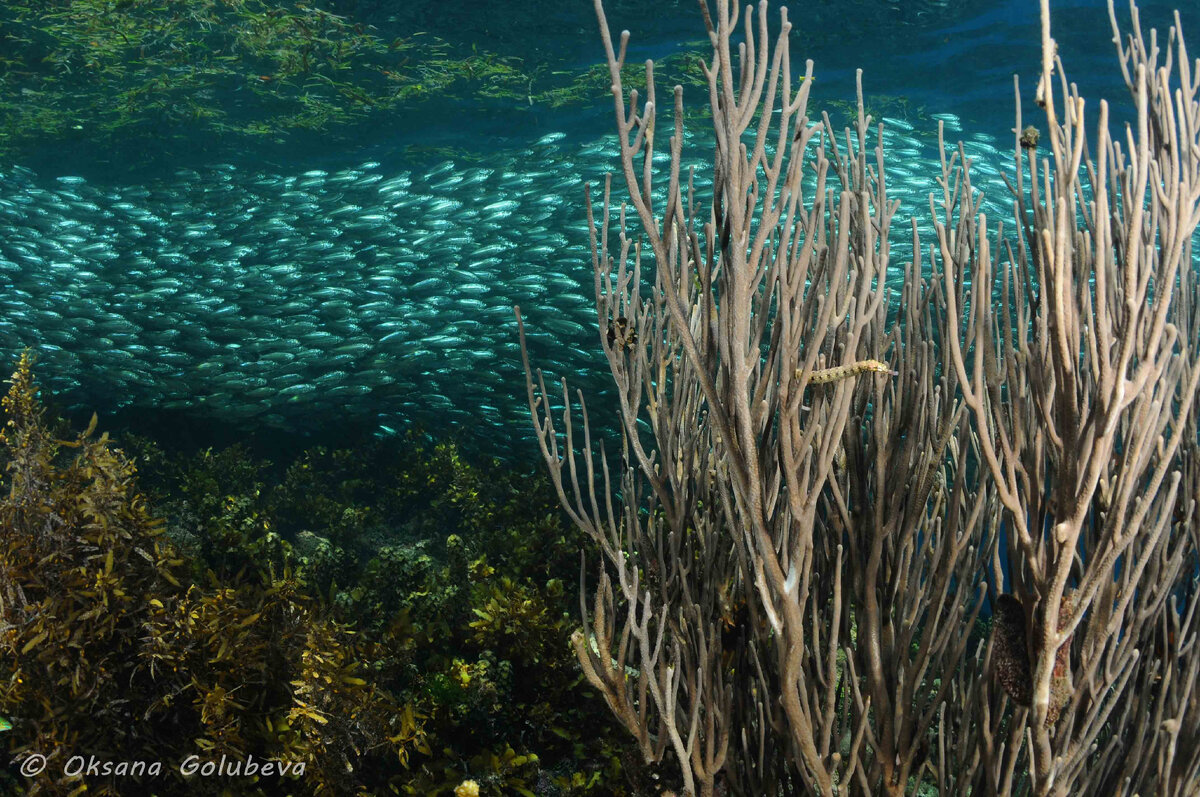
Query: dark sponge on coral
{"points": [[1010, 650]]}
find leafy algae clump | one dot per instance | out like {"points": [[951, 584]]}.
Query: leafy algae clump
{"points": [[106, 653], [395, 620]]}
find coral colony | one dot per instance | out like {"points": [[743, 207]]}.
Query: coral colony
{"points": [[862, 474]]}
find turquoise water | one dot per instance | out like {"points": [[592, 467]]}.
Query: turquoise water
{"points": [[363, 277]]}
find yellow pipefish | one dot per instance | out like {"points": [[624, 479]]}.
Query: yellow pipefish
{"points": [[826, 375]]}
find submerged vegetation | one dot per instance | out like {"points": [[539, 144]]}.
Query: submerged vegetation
{"points": [[109, 71], [98, 67], [394, 618], [105, 70]]}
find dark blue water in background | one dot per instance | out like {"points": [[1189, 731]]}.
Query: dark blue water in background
{"points": [[361, 278]]}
